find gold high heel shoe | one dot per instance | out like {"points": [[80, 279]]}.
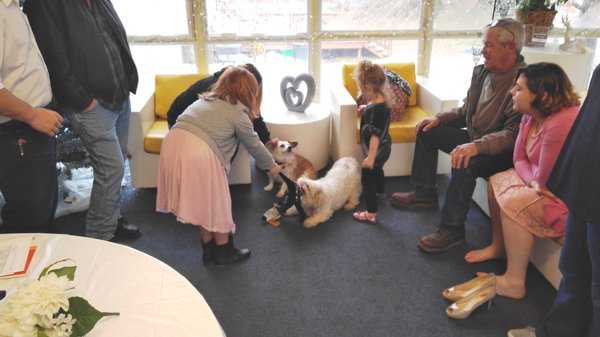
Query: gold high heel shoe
{"points": [[465, 289], [462, 308]]}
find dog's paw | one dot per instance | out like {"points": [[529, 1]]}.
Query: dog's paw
{"points": [[310, 222], [350, 206], [292, 211], [282, 191], [269, 187]]}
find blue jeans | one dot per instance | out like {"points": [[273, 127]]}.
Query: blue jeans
{"points": [[576, 308], [28, 179], [462, 183], [104, 134]]}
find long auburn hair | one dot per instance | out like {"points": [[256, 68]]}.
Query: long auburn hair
{"points": [[237, 84], [551, 86]]}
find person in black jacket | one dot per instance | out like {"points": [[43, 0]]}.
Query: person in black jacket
{"points": [[92, 72], [190, 95]]}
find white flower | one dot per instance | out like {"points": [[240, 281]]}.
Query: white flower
{"points": [[41, 307], [34, 305], [62, 326]]}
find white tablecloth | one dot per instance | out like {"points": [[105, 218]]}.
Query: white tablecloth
{"points": [[152, 298]]}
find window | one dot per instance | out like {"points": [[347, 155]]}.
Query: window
{"points": [[369, 15], [154, 17], [256, 17], [289, 37], [462, 15]]}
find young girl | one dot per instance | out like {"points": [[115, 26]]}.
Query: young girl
{"points": [[195, 157], [375, 139]]}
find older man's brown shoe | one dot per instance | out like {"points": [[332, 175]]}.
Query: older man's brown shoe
{"points": [[413, 199], [441, 240]]}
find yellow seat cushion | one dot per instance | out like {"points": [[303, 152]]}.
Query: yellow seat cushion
{"points": [[155, 136], [402, 131], [168, 87]]}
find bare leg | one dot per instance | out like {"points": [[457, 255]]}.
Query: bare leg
{"points": [[496, 249], [205, 235], [518, 243], [220, 238]]}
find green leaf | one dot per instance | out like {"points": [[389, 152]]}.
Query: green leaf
{"points": [[86, 315], [41, 333], [69, 272], [48, 269]]}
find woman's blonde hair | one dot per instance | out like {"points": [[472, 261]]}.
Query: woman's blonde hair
{"points": [[551, 86], [237, 84], [368, 72]]}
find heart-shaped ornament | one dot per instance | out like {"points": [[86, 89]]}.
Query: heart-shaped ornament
{"points": [[293, 98]]}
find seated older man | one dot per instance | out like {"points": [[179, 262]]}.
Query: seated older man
{"points": [[479, 135]]}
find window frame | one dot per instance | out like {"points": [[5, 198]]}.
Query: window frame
{"points": [[425, 34]]}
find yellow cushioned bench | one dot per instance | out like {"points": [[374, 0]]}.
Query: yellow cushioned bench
{"points": [[149, 127], [345, 133], [167, 88]]}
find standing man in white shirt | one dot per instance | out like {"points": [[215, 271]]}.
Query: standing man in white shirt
{"points": [[28, 127]]}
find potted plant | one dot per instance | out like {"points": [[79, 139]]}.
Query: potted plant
{"points": [[537, 17], [537, 11]]}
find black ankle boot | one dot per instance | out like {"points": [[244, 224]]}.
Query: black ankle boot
{"points": [[227, 253], [209, 251]]}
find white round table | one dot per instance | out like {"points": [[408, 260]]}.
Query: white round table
{"points": [[152, 298], [311, 129]]}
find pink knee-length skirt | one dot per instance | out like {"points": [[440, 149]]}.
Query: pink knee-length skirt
{"points": [[192, 183]]}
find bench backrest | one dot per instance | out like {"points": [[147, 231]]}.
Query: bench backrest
{"points": [[405, 70]]}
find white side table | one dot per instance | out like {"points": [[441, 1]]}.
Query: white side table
{"points": [[310, 129], [577, 66]]}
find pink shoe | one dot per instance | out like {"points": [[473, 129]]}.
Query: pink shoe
{"points": [[365, 216]]}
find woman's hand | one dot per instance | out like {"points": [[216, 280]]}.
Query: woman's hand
{"points": [[541, 190]]}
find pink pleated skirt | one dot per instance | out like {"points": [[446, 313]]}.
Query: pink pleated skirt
{"points": [[192, 183], [540, 215]]}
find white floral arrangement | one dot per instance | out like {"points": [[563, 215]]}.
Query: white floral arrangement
{"points": [[42, 307]]}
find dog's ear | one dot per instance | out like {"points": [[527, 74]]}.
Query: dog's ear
{"points": [[272, 143], [293, 144]]}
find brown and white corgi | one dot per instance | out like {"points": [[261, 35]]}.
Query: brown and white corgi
{"points": [[293, 165]]}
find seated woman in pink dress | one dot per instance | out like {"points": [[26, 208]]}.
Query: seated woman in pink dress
{"points": [[196, 155], [520, 205]]}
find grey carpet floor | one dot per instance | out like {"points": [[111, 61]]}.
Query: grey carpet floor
{"points": [[342, 278]]}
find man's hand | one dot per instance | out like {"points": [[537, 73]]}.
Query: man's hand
{"points": [[461, 155], [46, 121], [427, 124], [91, 106]]}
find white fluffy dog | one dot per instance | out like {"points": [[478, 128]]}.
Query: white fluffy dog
{"points": [[341, 186]]}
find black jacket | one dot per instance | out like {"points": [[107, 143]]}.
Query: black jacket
{"points": [[71, 43], [190, 95], [575, 178]]}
